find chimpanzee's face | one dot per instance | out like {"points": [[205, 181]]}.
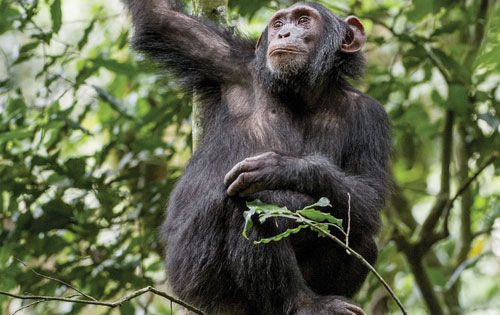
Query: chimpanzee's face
{"points": [[293, 34]]}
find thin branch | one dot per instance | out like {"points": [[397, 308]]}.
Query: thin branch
{"points": [[363, 261], [27, 306], [482, 232], [430, 55], [117, 303], [56, 280], [466, 185], [464, 188], [425, 232], [348, 220], [466, 264]]}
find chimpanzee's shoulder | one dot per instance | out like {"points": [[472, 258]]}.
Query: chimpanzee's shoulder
{"points": [[365, 103]]}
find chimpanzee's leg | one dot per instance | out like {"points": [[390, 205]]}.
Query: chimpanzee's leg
{"points": [[212, 266], [328, 269]]}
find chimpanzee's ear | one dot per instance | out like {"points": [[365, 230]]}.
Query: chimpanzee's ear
{"points": [[355, 37], [258, 42]]}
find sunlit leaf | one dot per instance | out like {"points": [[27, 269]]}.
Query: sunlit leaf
{"points": [[56, 13], [86, 33]]}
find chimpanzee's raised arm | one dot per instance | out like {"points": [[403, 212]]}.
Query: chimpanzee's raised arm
{"points": [[194, 49]]}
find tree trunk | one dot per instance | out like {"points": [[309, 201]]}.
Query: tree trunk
{"points": [[214, 10]]}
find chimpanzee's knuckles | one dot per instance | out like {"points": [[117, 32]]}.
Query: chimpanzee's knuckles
{"points": [[262, 156], [345, 307], [326, 305], [252, 189], [235, 172], [243, 181], [356, 310], [236, 185]]}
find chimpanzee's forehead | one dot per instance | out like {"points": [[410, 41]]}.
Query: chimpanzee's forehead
{"points": [[297, 7]]}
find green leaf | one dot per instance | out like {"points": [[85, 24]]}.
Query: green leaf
{"points": [[56, 13], [115, 66], [28, 47], [15, 135], [112, 101], [26, 52], [76, 167], [7, 15], [280, 236], [414, 58], [449, 63], [85, 72], [266, 211], [72, 124], [86, 34], [420, 10], [322, 202], [248, 220], [260, 206], [489, 59], [448, 28], [319, 216], [308, 215]]}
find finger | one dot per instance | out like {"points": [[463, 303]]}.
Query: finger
{"points": [[252, 189], [355, 309], [260, 156], [243, 166], [240, 183]]}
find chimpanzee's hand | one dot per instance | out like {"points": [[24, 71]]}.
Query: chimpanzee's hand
{"points": [[262, 172]]}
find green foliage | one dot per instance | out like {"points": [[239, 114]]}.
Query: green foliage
{"points": [[304, 217], [92, 142]]}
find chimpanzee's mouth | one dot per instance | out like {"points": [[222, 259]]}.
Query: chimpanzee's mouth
{"points": [[287, 50]]}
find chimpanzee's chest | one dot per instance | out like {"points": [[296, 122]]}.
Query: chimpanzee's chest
{"points": [[264, 123]]}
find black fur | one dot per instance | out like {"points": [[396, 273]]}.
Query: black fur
{"points": [[329, 140]]}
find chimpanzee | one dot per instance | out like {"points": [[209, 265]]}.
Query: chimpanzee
{"points": [[281, 124]]}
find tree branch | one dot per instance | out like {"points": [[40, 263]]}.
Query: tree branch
{"points": [[92, 301], [117, 303], [56, 280], [464, 265], [425, 232], [463, 188]]}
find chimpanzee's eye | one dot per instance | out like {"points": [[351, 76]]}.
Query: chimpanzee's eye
{"points": [[303, 19], [278, 24]]}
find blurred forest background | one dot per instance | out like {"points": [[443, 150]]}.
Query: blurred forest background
{"points": [[92, 141]]}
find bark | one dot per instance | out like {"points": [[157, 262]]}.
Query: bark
{"points": [[215, 10]]}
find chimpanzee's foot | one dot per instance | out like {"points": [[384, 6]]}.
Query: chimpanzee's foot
{"points": [[328, 305]]}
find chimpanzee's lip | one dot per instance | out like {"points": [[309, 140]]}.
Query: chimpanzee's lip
{"points": [[291, 50]]}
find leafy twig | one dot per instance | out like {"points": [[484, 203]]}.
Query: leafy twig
{"points": [[311, 218]]}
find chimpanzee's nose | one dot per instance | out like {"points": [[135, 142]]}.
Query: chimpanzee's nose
{"points": [[287, 34]]}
